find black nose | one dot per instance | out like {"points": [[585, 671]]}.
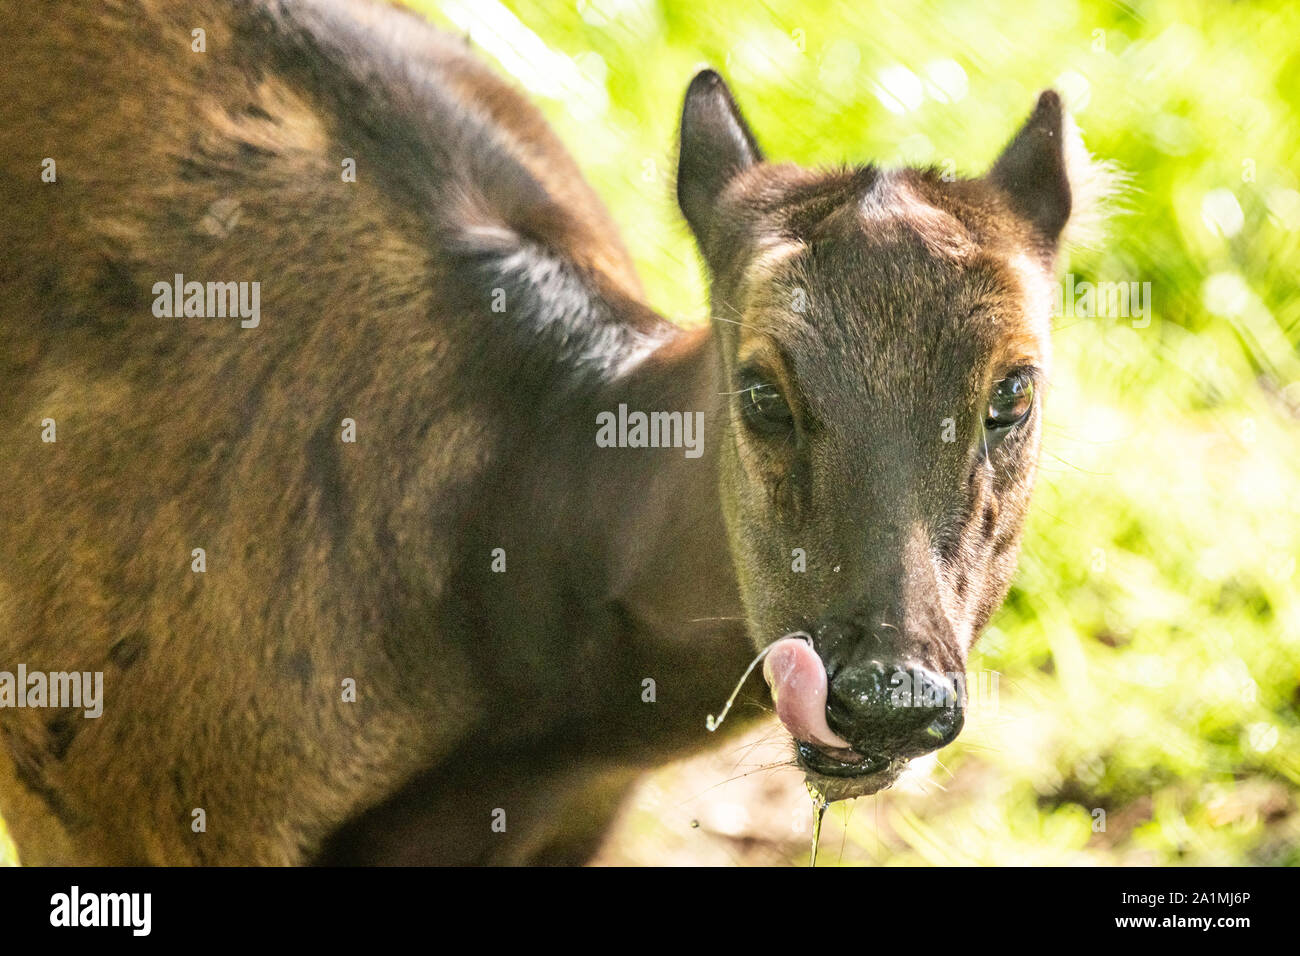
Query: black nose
{"points": [[893, 710]]}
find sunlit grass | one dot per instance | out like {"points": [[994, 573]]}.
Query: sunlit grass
{"points": [[8, 853]]}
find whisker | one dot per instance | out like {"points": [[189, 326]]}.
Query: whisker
{"points": [[748, 749], [784, 764], [1082, 471], [744, 325], [983, 748]]}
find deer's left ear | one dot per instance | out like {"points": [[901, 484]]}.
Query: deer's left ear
{"points": [[716, 144], [1032, 169]]}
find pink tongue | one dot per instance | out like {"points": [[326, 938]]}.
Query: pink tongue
{"points": [[798, 681]]}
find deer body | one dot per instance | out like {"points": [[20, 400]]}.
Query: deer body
{"points": [[495, 587]]}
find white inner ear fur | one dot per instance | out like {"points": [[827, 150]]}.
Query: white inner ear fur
{"points": [[1095, 189]]}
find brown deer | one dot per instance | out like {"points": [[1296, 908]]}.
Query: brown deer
{"points": [[340, 440]]}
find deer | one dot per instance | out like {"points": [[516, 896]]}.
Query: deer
{"points": [[394, 573]]}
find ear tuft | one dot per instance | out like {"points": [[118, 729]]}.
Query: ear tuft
{"points": [[716, 144], [1095, 190]]}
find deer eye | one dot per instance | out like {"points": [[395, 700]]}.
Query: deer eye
{"points": [[765, 409], [1011, 401]]}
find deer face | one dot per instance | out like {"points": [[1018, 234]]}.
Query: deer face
{"points": [[884, 340]]}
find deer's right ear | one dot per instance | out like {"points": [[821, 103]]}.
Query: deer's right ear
{"points": [[716, 144], [1032, 169]]}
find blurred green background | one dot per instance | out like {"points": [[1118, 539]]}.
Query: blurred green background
{"points": [[1149, 653]]}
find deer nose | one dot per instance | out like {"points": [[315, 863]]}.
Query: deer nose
{"points": [[893, 710]]}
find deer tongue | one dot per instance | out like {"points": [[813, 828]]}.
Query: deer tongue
{"points": [[798, 681]]}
